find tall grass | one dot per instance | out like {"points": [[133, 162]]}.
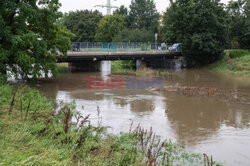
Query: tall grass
{"points": [[233, 61], [123, 66], [237, 53], [62, 67]]}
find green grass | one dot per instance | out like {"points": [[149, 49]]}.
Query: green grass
{"points": [[233, 61], [123, 66], [62, 67], [33, 133], [128, 67]]}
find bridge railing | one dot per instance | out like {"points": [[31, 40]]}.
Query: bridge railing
{"points": [[117, 46]]}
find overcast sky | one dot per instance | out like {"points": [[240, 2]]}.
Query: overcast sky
{"points": [[72, 5]]}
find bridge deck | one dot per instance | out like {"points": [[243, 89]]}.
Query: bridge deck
{"points": [[98, 56]]}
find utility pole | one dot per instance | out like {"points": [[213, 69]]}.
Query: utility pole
{"points": [[108, 6]]}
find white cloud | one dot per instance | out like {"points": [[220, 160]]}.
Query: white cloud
{"points": [[72, 5]]}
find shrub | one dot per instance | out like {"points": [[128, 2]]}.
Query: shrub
{"points": [[237, 53]]}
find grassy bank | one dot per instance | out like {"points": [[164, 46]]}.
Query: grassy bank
{"points": [[62, 67], [128, 67], [123, 66], [36, 132], [233, 61]]}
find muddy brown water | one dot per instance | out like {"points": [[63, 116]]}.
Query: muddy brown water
{"points": [[217, 125]]}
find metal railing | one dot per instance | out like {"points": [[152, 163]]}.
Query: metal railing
{"points": [[117, 47]]}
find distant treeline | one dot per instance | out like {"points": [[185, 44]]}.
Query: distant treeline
{"points": [[204, 27]]}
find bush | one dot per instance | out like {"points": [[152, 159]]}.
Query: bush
{"points": [[237, 53]]}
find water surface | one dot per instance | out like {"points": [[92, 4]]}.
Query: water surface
{"points": [[203, 124]]}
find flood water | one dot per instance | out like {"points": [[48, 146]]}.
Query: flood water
{"points": [[209, 124]]}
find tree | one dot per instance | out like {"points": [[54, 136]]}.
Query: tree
{"points": [[143, 15], [123, 11], [238, 22], [245, 40], [134, 35], [83, 24], [108, 27], [29, 37], [201, 27]]}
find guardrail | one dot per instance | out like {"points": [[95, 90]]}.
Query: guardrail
{"points": [[117, 47]]}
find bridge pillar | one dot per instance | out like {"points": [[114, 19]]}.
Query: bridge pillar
{"points": [[85, 66]]}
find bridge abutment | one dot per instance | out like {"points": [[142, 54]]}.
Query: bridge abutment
{"points": [[85, 66]]}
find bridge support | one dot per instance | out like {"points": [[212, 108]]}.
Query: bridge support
{"points": [[85, 66]]}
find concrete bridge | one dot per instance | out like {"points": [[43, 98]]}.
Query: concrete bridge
{"points": [[89, 59]]}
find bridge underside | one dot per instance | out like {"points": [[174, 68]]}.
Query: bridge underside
{"points": [[110, 56], [85, 66], [91, 61]]}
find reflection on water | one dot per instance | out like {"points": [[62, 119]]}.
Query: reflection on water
{"points": [[201, 124]]}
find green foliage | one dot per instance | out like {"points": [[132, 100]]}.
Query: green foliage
{"points": [[246, 37], [134, 35], [143, 15], [233, 61], [108, 27], [237, 53], [123, 66], [83, 24], [201, 27], [2, 79], [29, 37], [123, 11], [239, 12]]}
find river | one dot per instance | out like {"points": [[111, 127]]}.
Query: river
{"points": [[217, 124]]}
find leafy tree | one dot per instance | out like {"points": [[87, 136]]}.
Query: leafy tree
{"points": [[245, 40], [134, 35], [83, 24], [123, 11], [29, 37], [201, 27], [143, 15], [108, 27], [238, 22]]}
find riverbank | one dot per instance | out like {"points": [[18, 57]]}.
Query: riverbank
{"points": [[35, 131], [234, 62]]}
